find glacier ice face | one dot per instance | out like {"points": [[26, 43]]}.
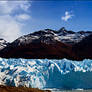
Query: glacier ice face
{"points": [[46, 73]]}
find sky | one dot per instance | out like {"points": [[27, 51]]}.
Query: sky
{"points": [[22, 17]]}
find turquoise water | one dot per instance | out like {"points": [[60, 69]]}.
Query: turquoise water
{"points": [[73, 91]]}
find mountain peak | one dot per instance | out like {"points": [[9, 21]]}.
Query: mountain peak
{"points": [[62, 29]]}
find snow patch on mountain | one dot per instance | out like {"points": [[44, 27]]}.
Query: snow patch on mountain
{"points": [[3, 44], [49, 36]]}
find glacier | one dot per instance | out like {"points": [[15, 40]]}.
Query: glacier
{"points": [[46, 73]]}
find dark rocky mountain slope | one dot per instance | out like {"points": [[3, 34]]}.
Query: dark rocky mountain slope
{"points": [[51, 44], [83, 49]]}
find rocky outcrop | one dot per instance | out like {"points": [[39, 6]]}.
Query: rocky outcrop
{"points": [[3, 44]]}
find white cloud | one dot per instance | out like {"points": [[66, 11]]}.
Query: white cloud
{"points": [[67, 16], [7, 7], [22, 17], [10, 27]]}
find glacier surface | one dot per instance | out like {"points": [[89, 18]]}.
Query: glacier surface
{"points": [[46, 73]]}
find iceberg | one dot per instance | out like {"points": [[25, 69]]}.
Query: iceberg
{"points": [[46, 73]]}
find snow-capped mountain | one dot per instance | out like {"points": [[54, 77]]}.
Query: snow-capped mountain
{"points": [[49, 36], [3, 44], [71, 37], [49, 44]]}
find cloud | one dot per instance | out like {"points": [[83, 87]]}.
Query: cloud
{"points": [[7, 7], [10, 14], [9, 28], [22, 17], [67, 16]]}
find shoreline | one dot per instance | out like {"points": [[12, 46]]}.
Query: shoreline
{"points": [[20, 89]]}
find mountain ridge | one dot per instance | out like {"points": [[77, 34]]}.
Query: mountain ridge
{"points": [[49, 43]]}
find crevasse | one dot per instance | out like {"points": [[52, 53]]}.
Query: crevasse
{"points": [[46, 73]]}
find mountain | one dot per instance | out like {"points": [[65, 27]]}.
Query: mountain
{"points": [[83, 49], [49, 43], [63, 35], [71, 37], [33, 46], [3, 44]]}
